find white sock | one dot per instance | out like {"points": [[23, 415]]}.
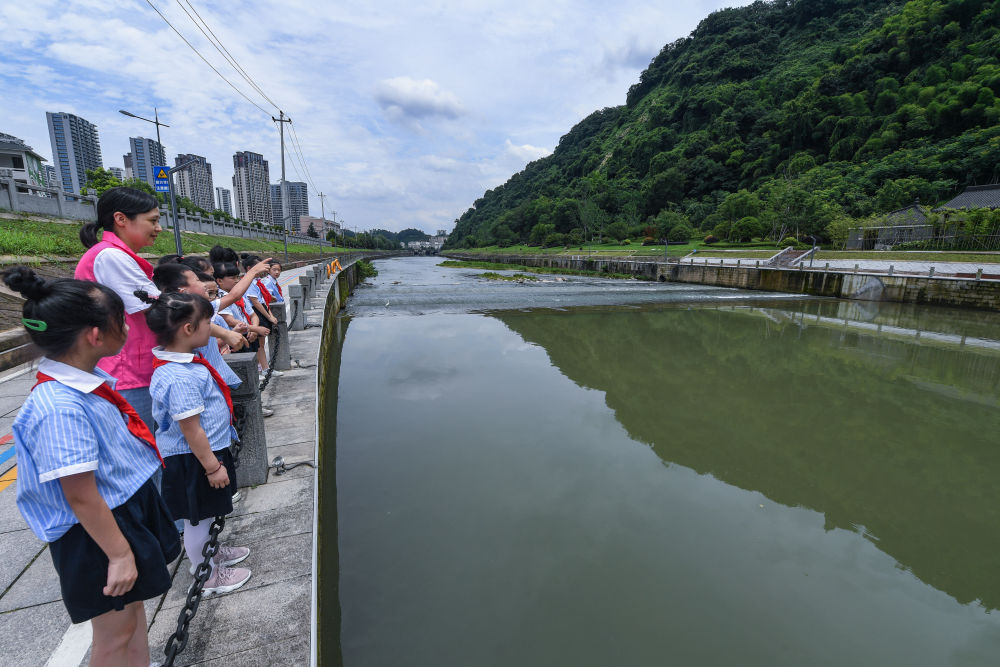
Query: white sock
{"points": [[195, 538]]}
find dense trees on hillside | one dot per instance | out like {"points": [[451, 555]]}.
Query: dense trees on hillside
{"points": [[779, 117]]}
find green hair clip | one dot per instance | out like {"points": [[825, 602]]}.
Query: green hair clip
{"points": [[34, 325]]}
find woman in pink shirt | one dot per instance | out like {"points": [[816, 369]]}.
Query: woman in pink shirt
{"points": [[130, 220]]}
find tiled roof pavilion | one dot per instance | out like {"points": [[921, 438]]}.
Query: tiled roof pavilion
{"points": [[976, 196]]}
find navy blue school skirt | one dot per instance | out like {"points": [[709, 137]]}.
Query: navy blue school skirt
{"points": [[83, 568], [187, 492]]}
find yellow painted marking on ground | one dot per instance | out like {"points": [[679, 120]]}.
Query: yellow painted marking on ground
{"points": [[8, 478]]}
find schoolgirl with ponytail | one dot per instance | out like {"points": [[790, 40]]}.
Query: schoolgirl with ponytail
{"points": [[85, 461], [194, 412]]}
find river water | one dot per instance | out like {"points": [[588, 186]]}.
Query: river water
{"points": [[598, 472]]}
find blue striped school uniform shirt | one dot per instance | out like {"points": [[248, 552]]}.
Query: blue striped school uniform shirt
{"points": [[234, 310], [216, 358], [63, 429], [183, 389], [272, 286]]}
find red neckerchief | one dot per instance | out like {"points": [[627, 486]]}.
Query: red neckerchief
{"points": [[264, 294], [198, 359], [112, 238], [239, 304], [136, 426]]}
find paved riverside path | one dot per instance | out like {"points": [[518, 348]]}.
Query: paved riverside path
{"points": [[267, 622], [905, 267]]}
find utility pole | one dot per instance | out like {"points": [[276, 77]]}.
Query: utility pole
{"points": [[281, 120], [322, 235]]}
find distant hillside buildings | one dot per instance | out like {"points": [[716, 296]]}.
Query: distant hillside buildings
{"points": [[76, 147], [251, 179], [22, 160], [223, 200], [298, 203], [195, 181]]}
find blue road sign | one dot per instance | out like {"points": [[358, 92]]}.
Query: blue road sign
{"points": [[160, 180]]}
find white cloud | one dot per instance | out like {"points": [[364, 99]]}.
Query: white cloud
{"points": [[525, 152], [403, 97]]}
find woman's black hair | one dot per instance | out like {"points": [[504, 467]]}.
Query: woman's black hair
{"points": [[218, 255], [197, 263], [170, 259], [227, 270], [249, 260], [171, 277], [172, 310], [204, 277], [129, 201], [56, 311]]}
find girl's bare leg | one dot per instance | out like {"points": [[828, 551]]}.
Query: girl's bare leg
{"points": [[113, 632]]}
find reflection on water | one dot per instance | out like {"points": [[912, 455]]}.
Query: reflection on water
{"points": [[765, 483]]}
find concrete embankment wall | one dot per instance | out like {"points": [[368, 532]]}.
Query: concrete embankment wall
{"points": [[943, 291]]}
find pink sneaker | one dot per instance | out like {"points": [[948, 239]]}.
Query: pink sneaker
{"points": [[225, 579], [226, 556]]}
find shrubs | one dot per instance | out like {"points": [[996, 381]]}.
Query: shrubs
{"points": [[681, 234], [710, 239]]}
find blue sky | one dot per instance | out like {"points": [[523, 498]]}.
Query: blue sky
{"points": [[406, 112]]}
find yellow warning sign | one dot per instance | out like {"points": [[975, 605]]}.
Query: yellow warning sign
{"points": [[162, 174]]}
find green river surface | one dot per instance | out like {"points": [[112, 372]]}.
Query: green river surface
{"points": [[578, 471]]}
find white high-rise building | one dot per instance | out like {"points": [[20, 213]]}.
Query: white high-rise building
{"points": [[76, 147], [117, 172], [223, 200], [298, 203], [250, 187], [195, 181], [146, 154]]}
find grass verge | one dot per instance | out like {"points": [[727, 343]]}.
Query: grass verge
{"points": [[44, 239]]}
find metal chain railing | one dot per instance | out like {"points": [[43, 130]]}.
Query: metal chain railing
{"points": [[177, 642]]}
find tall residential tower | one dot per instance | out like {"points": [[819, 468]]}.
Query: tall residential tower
{"points": [[146, 154], [223, 200], [76, 147], [298, 203], [250, 181], [195, 181]]}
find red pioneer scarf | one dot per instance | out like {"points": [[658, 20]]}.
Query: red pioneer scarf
{"points": [[136, 426]]}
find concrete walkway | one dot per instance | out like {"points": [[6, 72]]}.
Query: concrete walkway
{"points": [[917, 268], [267, 622]]}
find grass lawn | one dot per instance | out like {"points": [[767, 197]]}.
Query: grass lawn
{"points": [[722, 249], [34, 238]]}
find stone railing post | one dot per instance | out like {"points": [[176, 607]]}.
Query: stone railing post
{"points": [[306, 282], [246, 409], [278, 347], [297, 308]]}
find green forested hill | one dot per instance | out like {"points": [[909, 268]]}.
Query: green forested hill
{"points": [[782, 117]]}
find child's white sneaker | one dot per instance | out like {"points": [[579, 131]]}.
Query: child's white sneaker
{"points": [[225, 579], [224, 557]]}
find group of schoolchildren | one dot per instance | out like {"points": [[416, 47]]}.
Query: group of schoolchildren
{"points": [[124, 442]]}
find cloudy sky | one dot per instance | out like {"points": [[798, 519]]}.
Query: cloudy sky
{"points": [[405, 112]]}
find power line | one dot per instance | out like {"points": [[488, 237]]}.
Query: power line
{"points": [[302, 158], [241, 93], [223, 51]]}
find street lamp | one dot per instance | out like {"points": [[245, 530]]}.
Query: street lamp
{"points": [[173, 202], [163, 154]]}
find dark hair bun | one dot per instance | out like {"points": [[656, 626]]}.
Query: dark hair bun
{"points": [[218, 255], [26, 282]]}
